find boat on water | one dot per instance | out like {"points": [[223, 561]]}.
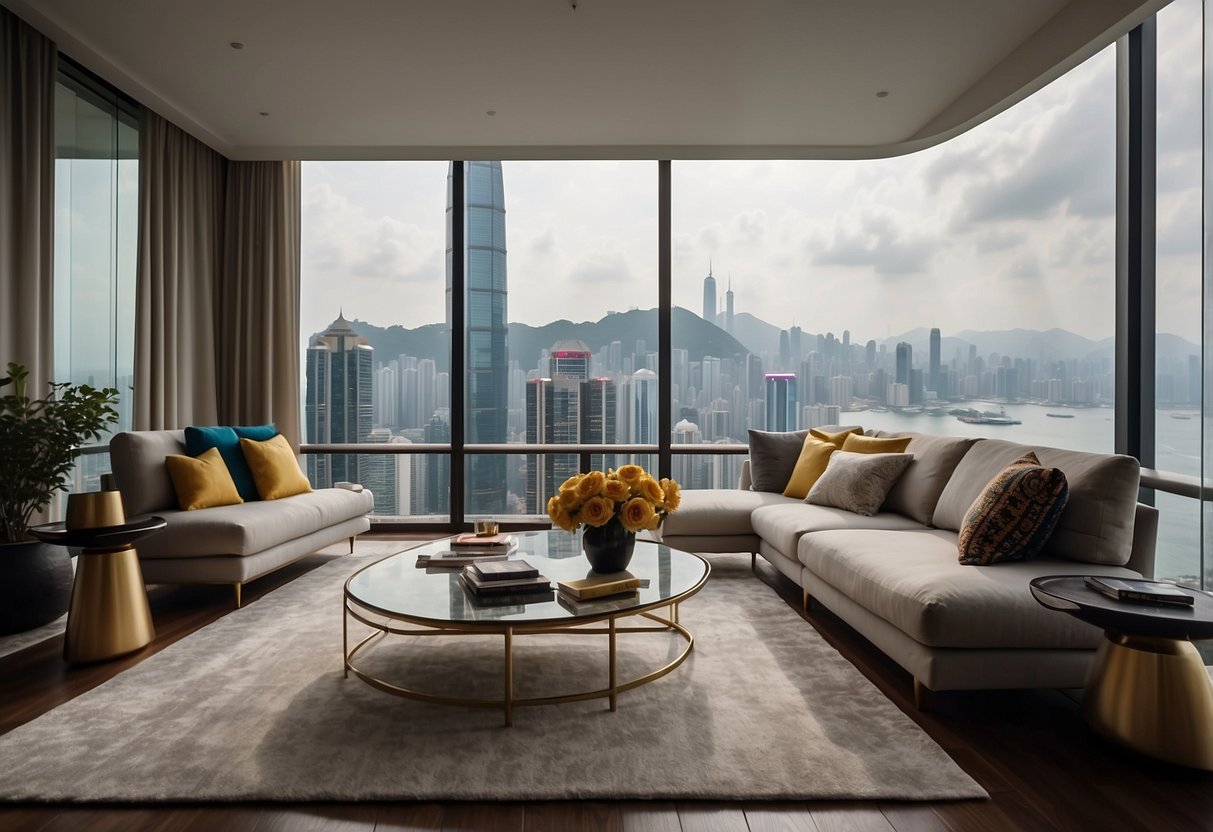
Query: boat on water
{"points": [[987, 417], [1184, 416], [1060, 415]]}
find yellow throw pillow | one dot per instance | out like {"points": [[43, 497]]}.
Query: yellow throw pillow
{"points": [[202, 481], [814, 457], [275, 469], [857, 444], [836, 439]]}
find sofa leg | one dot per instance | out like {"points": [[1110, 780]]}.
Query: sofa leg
{"points": [[754, 560], [237, 588], [806, 599], [920, 695], [352, 543]]}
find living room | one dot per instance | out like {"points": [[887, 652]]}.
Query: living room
{"points": [[998, 240]]}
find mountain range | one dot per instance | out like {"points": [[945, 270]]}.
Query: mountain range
{"points": [[751, 335]]}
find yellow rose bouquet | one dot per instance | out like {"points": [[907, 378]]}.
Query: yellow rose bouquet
{"points": [[630, 496]]}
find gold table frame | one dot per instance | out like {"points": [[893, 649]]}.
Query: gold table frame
{"points": [[353, 608]]}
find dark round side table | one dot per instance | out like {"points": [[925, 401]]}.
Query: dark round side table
{"points": [[1148, 687], [109, 615]]}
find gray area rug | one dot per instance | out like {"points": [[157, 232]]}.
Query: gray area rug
{"points": [[255, 707]]}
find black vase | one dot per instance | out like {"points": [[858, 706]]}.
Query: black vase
{"points": [[35, 585], [608, 548]]}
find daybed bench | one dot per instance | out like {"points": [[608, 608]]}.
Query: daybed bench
{"points": [[896, 577], [227, 544]]}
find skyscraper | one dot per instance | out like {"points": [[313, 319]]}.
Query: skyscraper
{"points": [[339, 403], [485, 345], [728, 308], [709, 296], [905, 362], [934, 378], [782, 405]]}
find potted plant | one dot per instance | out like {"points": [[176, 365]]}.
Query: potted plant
{"points": [[39, 441]]}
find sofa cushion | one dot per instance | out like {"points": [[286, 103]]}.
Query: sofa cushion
{"points": [[857, 443], [1014, 514], [913, 581], [137, 459], [810, 465], [1097, 523], [858, 482], [935, 458], [773, 455], [252, 527], [718, 511], [202, 481], [836, 437], [782, 525], [275, 468]]}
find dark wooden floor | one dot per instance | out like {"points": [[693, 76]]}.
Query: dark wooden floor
{"points": [[1029, 749]]}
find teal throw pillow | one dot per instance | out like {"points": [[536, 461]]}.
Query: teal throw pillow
{"points": [[227, 440]]}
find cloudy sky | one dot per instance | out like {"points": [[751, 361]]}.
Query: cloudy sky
{"points": [[1010, 225]]}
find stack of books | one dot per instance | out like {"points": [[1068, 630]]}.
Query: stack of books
{"points": [[470, 548], [600, 593], [1141, 591], [508, 578]]}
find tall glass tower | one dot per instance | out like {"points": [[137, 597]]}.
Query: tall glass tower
{"points": [[485, 345], [709, 297]]}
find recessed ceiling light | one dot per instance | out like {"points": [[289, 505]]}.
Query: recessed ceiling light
{"points": [[490, 112], [882, 94], [264, 114], [236, 44]]}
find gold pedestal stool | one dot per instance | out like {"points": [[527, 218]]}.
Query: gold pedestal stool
{"points": [[109, 614]]}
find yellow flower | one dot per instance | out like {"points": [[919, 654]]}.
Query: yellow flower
{"points": [[597, 511], [637, 514], [652, 491], [559, 516], [591, 484], [616, 490], [673, 494], [630, 475], [571, 482], [569, 499]]}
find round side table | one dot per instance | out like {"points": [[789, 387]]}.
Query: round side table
{"points": [[1148, 687], [109, 615]]}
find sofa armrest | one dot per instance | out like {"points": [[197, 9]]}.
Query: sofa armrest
{"points": [[1145, 534], [745, 480]]}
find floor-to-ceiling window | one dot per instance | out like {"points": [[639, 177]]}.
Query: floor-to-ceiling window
{"points": [[965, 289], [96, 228]]}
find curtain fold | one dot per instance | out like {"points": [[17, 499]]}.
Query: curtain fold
{"points": [[28, 67], [257, 308], [181, 200]]}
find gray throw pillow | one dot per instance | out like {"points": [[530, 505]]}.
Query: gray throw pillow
{"points": [[858, 482], [773, 455]]}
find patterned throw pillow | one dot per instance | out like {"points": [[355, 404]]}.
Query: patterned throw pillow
{"points": [[1014, 514], [858, 482]]}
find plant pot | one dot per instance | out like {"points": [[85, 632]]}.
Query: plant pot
{"points": [[35, 585], [608, 548]]}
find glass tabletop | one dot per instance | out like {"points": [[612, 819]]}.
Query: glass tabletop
{"points": [[395, 586]]}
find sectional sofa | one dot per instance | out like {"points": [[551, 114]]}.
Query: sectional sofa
{"points": [[226, 544], [896, 577]]}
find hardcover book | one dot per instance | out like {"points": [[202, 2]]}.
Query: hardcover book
{"points": [[600, 586], [475, 541], [1153, 592], [523, 585], [456, 560], [504, 570]]}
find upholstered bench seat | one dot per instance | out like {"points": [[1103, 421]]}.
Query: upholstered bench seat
{"points": [[783, 525]]}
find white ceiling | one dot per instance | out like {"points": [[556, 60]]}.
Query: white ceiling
{"points": [[414, 79]]}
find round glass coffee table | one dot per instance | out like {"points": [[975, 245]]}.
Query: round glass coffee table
{"points": [[394, 597]]}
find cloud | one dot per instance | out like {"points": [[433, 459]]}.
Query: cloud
{"points": [[601, 267], [544, 243], [879, 243]]}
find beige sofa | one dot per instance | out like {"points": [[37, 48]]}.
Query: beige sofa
{"points": [[227, 544], [895, 577]]}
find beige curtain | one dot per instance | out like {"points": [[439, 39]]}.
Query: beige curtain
{"points": [[181, 195], [27, 188], [257, 301]]}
